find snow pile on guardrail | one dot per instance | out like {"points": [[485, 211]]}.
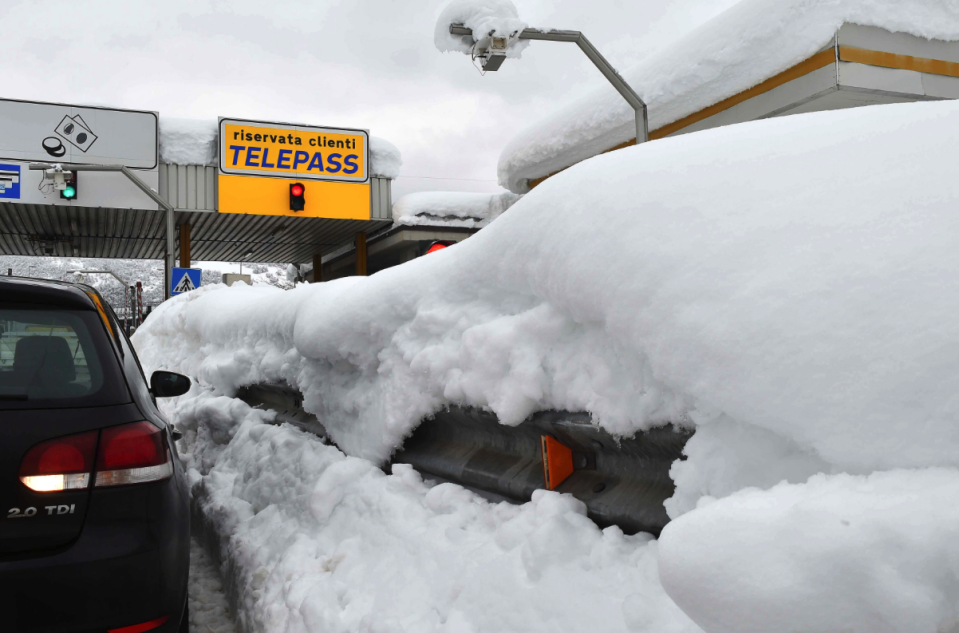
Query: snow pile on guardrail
{"points": [[317, 541], [451, 208], [787, 286], [194, 142], [748, 43]]}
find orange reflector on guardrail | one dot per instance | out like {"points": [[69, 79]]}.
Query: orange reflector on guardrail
{"points": [[557, 462]]}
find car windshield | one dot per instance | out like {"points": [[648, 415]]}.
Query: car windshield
{"points": [[51, 357]]}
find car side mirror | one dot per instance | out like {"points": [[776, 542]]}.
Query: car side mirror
{"points": [[166, 384]]}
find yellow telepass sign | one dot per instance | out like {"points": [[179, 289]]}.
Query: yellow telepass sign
{"points": [[260, 161]]}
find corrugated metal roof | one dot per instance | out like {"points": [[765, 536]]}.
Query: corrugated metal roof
{"points": [[30, 229]]}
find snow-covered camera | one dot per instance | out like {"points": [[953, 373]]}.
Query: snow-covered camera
{"points": [[495, 54]]}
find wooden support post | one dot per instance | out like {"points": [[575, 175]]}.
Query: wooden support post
{"points": [[317, 268], [184, 246], [361, 253]]}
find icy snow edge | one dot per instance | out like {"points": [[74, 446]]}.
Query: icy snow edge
{"points": [[451, 208], [194, 142], [742, 47]]}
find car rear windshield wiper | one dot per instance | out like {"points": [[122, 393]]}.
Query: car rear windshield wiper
{"points": [[14, 396]]}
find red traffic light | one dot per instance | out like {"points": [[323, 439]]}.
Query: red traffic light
{"points": [[297, 199], [438, 245]]}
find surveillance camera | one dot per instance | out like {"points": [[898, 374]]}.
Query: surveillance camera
{"points": [[491, 61], [493, 56], [58, 176]]}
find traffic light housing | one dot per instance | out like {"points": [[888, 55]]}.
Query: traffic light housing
{"points": [[297, 197], [438, 245], [71, 189]]}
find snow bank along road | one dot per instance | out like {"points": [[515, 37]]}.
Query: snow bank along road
{"points": [[786, 288]]}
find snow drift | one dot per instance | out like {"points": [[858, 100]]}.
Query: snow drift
{"points": [[740, 48], [839, 553], [786, 286]]}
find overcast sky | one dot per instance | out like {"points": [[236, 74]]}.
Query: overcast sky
{"points": [[362, 63]]}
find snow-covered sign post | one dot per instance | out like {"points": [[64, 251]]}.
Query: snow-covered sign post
{"points": [[490, 31]]}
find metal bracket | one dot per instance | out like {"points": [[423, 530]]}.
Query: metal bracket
{"points": [[576, 37], [153, 195]]}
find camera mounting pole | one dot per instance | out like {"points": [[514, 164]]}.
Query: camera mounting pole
{"points": [[576, 37], [145, 188]]}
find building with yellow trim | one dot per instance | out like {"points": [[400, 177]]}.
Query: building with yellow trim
{"points": [[759, 59]]}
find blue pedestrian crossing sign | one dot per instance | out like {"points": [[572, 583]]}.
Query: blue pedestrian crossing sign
{"points": [[184, 280]]}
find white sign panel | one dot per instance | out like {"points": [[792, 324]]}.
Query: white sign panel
{"points": [[48, 132], [33, 132]]}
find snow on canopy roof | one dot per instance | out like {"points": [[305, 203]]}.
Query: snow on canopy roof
{"points": [[451, 208], [194, 142], [740, 48]]}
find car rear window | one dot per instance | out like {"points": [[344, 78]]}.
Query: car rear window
{"points": [[55, 358]]}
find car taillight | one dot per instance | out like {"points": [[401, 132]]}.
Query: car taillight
{"points": [[141, 628], [61, 464], [132, 454]]}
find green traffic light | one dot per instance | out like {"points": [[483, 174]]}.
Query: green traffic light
{"points": [[69, 192]]}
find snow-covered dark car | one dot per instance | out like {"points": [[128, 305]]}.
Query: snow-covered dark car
{"points": [[95, 527]]}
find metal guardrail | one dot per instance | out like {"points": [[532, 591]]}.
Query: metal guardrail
{"points": [[621, 481]]}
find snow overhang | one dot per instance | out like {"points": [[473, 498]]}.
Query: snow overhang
{"points": [[757, 60], [451, 208]]}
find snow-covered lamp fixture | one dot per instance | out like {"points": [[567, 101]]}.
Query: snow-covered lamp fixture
{"points": [[490, 31]]}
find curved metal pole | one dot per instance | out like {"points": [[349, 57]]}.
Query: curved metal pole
{"points": [[576, 37], [83, 271]]}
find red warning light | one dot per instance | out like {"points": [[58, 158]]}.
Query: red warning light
{"points": [[297, 199], [438, 245]]}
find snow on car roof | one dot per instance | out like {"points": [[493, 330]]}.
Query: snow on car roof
{"points": [[740, 48], [194, 142]]}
